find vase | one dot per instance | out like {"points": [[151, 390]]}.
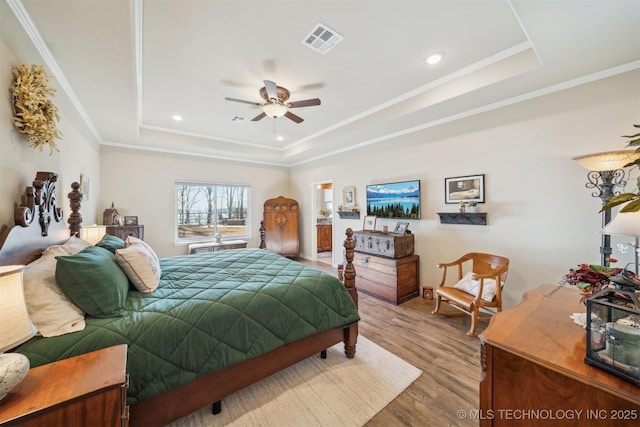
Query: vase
{"points": [[13, 368]]}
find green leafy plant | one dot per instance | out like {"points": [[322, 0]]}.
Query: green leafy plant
{"points": [[631, 199], [325, 212], [472, 203]]}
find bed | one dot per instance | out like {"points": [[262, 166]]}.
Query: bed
{"points": [[214, 325]]}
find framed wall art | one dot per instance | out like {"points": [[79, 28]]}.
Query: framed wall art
{"points": [[394, 199], [464, 189], [349, 197]]}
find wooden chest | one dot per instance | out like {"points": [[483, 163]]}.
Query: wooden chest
{"points": [[393, 280], [384, 244]]}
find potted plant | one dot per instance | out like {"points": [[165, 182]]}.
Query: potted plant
{"points": [[632, 200], [472, 207]]}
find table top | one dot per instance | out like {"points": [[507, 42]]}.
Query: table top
{"points": [[541, 331]]}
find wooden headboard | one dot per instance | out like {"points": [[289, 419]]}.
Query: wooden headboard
{"points": [[38, 221]]}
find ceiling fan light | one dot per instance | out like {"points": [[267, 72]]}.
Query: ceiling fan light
{"points": [[274, 110]]}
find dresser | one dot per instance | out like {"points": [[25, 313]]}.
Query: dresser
{"points": [[325, 237], [281, 226], [386, 266], [533, 371], [123, 231], [86, 390]]}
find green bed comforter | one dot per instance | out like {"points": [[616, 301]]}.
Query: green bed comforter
{"points": [[210, 311]]}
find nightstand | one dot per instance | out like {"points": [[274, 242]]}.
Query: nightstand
{"points": [[122, 231], [86, 390]]}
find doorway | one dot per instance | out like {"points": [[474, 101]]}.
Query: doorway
{"points": [[322, 221]]}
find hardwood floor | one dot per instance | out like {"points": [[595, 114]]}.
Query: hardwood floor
{"points": [[439, 346]]}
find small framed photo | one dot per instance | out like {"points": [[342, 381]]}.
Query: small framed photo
{"points": [[369, 223], [130, 220], [464, 189], [401, 227], [349, 197]]}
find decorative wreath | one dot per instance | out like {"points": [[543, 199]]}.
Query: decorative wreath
{"points": [[34, 113]]}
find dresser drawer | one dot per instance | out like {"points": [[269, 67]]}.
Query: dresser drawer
{"points": [[392, 280]]}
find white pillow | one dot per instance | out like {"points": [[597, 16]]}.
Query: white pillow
{"points": [[71, 246], [140, 263], [50, 309], [470, 286]]}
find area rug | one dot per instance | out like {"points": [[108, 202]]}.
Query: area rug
{"points": [[335, 391]]}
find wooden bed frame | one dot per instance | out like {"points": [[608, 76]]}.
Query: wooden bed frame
{"points": [[39, 224]]}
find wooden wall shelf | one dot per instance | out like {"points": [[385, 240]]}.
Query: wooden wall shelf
{"points": [[349, 214], [479, 218]]}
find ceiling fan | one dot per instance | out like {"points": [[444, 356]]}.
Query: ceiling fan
{"points": [[277, 103]]}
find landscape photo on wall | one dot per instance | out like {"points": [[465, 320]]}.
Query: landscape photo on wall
{"points": [[394, 200]]}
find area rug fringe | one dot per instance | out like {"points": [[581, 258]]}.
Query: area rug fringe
{"points": [[316, 392]]}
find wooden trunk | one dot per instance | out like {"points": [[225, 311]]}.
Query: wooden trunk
{"points": [[281, 226], [383, 244], [124, 231], [393, 280]]}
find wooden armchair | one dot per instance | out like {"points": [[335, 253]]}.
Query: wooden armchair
{"points": [[480, 267]]}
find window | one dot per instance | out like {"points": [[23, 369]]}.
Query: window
{"points": [[206, 209]]}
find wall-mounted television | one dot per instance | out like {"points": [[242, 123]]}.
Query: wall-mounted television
{"points": [[394, 200]]}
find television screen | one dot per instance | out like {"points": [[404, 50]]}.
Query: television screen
{"points": [[394, 200]]}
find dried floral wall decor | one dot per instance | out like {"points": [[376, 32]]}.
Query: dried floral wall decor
{"points": [[35, 115]]}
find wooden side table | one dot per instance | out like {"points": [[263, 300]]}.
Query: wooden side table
{"points": [[123, 231], [86, 390]]}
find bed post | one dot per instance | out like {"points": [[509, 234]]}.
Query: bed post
{"points": [[75, 202], [350, 333], [263, 230]]}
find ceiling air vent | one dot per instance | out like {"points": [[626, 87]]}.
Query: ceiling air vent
{"points": [[238, 119], [322, 38]]}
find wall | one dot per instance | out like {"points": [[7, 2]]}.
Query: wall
{"points": [[79, 151], [540, 214], [142, 183]]}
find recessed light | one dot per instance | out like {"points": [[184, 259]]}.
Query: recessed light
{"points": [[177, 117], [434, 58], [280, 138]]}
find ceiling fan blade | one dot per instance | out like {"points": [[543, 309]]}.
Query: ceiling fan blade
{"points": [[304, 103], [259, 117], [272, 89], [293, 117], [243, 101]]}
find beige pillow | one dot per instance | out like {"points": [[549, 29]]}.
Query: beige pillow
{"points": [[49, 308], [140, 263]]}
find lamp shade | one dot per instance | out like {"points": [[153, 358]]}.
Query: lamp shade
{"points": [[274, 109], [608, 161], [15, 324], [624, 224], [93, 233]]}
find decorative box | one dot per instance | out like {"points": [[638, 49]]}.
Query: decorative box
{"points": [[613, 332], [384, 244]]}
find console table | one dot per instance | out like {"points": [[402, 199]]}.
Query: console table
{"points": [[533, 370]]}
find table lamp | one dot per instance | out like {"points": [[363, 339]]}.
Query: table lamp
{"points": [[93, 233], [15, 328], [626, 224]]}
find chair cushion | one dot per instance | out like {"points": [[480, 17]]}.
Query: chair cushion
{"points": [[470, 286]]}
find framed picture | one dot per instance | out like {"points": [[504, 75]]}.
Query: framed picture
{"points": [[464, 189], [130, 220], [394, 199], [401, 227], [369, 223], [349, 197], [84, 186]]}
